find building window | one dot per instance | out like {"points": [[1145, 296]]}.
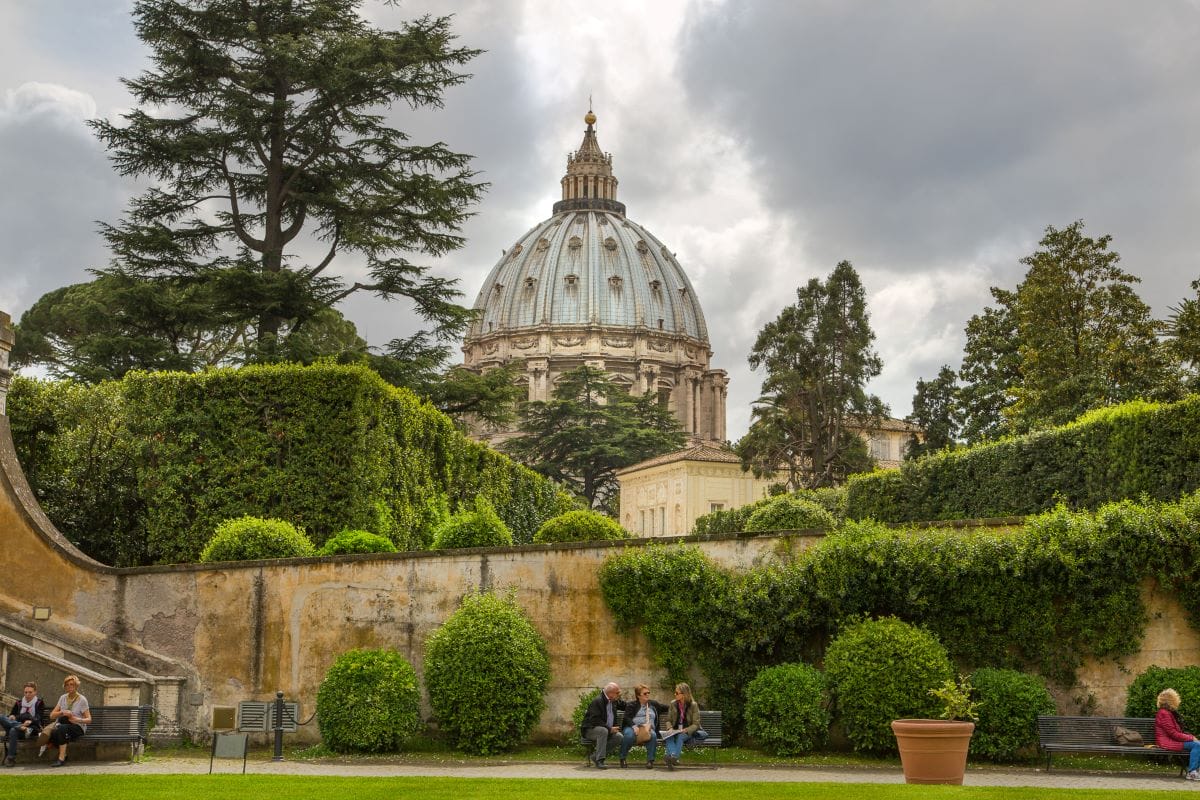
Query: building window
{"points": [[642, 524], [662, 521], [715, 507], [881, 449]]}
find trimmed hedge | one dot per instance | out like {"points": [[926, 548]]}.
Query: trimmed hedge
{"points": [[789, 513], [1121, 452], [1009, 705], [252, 538], [580, 526], [786, 709], [369, 702], [882, 670], [325, 447], [481, 527], [1142, 699], [350, 541], [486, 670], [737, 520]]}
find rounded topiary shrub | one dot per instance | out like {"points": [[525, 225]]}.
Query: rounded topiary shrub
{"points": [[579, 526], [486, 671], [251, 538], [1009, 704], [351, 541], [1142, 700], [881, 670], [786, 709], [479, 528], [789, 513], [368, 702]]}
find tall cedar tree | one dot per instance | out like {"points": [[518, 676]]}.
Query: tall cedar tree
{"points": [[589, 429], [261, 127], [818, 358], [935, 410]]}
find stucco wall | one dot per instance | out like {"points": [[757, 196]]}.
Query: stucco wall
{"points": [[242, 631]]}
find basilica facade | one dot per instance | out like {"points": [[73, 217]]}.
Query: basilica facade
{"points": [[589, 286]]}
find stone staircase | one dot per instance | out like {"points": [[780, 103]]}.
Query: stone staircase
{"points": [[35, 655]]}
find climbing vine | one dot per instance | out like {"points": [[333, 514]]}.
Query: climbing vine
{"points": [[1063, 588]]}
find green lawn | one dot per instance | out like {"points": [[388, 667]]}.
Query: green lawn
{"points": [[286, 787]]}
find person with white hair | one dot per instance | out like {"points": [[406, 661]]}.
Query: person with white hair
{"points": [[600, 724]]}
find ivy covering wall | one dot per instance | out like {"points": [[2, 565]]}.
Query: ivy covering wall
{"points": [[142, 470], [1128, 451], [1064, 588]]}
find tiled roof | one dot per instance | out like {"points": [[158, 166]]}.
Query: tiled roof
{"points": [[701, 452]]}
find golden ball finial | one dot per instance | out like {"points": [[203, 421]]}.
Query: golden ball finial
{"points": [[589, 117]]}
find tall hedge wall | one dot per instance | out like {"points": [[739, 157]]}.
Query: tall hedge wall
{"points": [[1127, 451], [325, 447]]}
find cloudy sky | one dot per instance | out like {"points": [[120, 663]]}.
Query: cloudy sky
{"points": [[928, 142]]}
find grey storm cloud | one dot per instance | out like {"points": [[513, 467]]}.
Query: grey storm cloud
{"points": [[907, 135]]}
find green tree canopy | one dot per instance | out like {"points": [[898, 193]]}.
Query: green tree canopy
{"points": [[991, 366], [261, 129], [589, 429], [1073, 336], [1183, 335], [935, 410], [1085, 337], [818, 358]]}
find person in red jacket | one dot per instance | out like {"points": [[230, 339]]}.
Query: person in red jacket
{"points": [[1170, 735]]}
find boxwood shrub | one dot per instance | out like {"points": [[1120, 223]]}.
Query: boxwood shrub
{"points": [[352, 541], [250, 538], [881, 670], [787, 709], [486, 670], [480, 527], [1009, 705], [789, 512], [577, 716], [369, 701], [580, 526], [1142, 699]]}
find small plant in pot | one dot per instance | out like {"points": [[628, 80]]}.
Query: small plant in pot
{"points": [[935, 750]]}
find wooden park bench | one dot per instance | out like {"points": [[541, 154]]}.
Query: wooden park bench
{"points": [[1096, 735], [710, 722]]}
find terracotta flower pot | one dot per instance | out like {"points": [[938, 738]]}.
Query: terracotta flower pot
{"points": [[933, 750]]}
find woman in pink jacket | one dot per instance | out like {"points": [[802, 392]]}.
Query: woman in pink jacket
{"points": [[1170, 735]]}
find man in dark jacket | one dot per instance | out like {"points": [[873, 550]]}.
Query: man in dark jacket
{"points": [[600, 723], [25, 721]]}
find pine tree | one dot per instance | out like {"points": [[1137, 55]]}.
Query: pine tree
{"points": [[935, 410]]}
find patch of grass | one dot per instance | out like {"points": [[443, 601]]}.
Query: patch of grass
{"points": [[295, 787]]}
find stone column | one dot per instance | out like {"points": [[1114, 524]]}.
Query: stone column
{"points": [[7, 339]]}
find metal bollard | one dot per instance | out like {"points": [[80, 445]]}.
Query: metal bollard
{"points": [[278, 727]]}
